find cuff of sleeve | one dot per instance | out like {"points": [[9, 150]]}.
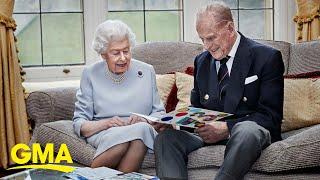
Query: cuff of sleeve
{"points": [[230, 124], [77, 126]]}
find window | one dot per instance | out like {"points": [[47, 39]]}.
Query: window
{"points": [[54, 37], [253, 18], [151, 20], [50, 32]]}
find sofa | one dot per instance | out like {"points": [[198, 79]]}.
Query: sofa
{"points": [[297, 156]]}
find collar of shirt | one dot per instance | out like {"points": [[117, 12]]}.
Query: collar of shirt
{"points": [[232, 54]]}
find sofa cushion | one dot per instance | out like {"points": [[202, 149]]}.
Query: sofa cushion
{"points": [[51, 105], [184, 83], [172, 99], [165, 83], [304, 57], [167, 56], [298, 151], [204, 157], [62, 132], [301, 101]]}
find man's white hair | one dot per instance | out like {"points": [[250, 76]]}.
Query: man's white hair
{"points": [[109, 31], [218, 10]]}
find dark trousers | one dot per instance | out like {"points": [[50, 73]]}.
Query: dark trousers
{"points": [[247, 140]]}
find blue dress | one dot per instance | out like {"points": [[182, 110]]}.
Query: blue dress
{"points": [[99, 98]]}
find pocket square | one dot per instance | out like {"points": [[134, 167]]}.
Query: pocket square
{"points": [[250, 79]]}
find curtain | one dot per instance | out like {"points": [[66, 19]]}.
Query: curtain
{"points": [[307, 20], [13, 116]]}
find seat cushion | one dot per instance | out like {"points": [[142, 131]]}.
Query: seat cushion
{"points": [[297, 151], [62, 132], [209, 173]]}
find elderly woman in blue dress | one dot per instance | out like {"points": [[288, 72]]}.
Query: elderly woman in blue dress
{"points": [[109, 91]]}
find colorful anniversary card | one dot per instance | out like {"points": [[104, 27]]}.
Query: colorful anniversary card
{"points": [[189, 117]]}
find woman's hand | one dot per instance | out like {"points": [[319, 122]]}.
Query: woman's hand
{"points": [[115, 121], [90, 128], [135, 119]]}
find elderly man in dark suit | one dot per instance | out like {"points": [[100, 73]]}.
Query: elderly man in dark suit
{"points": [[235, 75]]}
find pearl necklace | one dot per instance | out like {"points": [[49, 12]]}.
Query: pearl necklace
{"points": [[117, 79]]}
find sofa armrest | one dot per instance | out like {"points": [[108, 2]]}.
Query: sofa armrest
{"points": [[50, 105], [295, 152]]}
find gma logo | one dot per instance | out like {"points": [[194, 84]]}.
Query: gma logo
{"points": [[39, 157]]}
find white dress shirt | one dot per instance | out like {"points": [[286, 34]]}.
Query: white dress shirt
{"points": [[232, 54]]}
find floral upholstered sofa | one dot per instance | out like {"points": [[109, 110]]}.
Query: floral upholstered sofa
{"points": [[297, 156]]}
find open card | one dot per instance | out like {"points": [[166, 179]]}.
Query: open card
{"points": [[190, 117]]}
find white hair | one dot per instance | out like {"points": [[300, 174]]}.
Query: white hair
{"points": [[217, 10], [111, 30]]}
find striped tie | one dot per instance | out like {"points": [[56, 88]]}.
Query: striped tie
{"points": [[223, 79]]}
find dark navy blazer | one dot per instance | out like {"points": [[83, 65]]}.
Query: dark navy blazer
{"points": [[260, 101]]}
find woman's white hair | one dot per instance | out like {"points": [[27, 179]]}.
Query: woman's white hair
{"points": [[109, 31]]}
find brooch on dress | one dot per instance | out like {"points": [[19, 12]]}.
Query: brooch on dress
{"points": [[140, 74]]}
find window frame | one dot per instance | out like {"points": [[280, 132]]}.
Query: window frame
{"points": [[271, 8], [40, 13], [144, 11], [94, 13]]}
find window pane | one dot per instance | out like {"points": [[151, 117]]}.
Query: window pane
{"points": [[62, 38], [233, 4], [256, 24], [163, 26], [255, 3], [21, 6], [162, 4], [29, 40], [61, 6], [235, 18], [116, 5], [133, 19]]}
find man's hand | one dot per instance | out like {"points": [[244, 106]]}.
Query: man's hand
{"points": [[135, 119], [213, 132], [160, 126]]}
